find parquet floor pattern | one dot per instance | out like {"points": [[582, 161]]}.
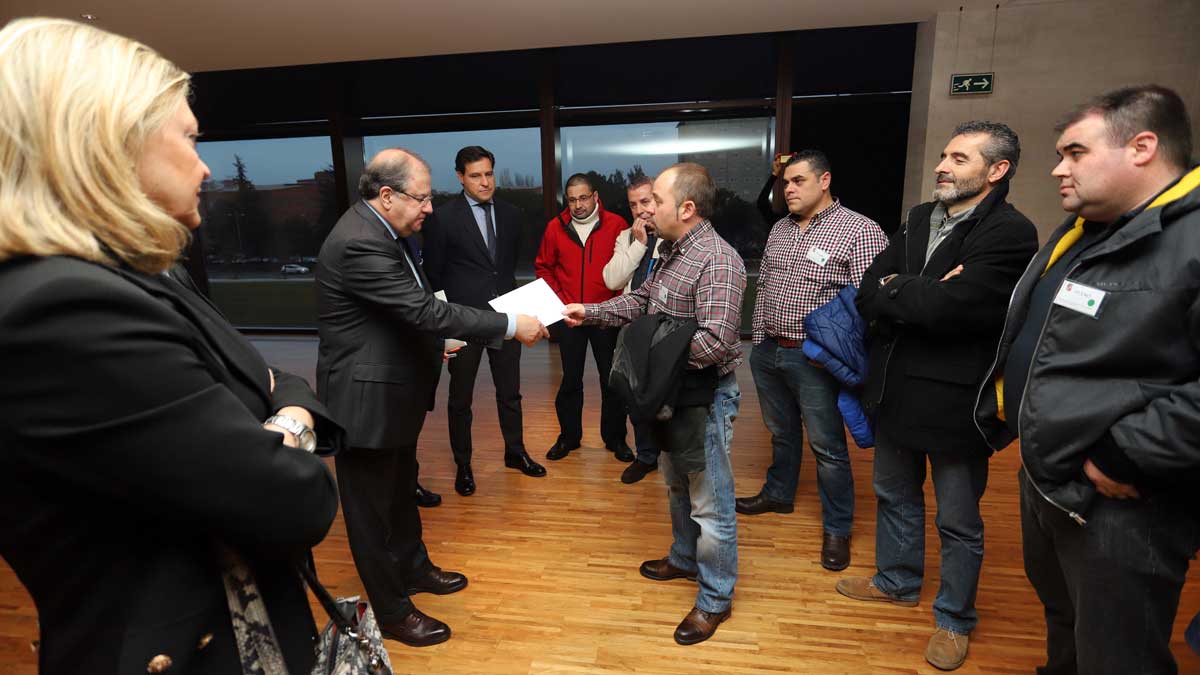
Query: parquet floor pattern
{"points": [[552, 562]]}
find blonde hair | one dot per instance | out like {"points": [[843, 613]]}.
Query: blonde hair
{"points": [[76, 106]]}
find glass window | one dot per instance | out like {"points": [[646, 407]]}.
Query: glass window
{"points": [[736, 152], [266, 209], [518, 173]]}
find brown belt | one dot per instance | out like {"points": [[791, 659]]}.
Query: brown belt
{"points": [[789, 344]]}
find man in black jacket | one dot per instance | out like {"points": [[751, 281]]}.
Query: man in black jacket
{"points": [[382, 335], [935, 300], [1098, 372], [471, 244]]}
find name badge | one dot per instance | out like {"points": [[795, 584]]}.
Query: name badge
{"points": [[818, 256], [1083, 299]]}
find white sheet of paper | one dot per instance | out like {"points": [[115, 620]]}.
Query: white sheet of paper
{"points": [[535, 299], [451, 343]]}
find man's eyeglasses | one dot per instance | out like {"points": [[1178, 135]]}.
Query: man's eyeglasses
{"points": [[421, 201], [580, 199]]}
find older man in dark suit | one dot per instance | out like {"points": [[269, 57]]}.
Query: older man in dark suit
{"points": [[378, 365], [471, 246]]}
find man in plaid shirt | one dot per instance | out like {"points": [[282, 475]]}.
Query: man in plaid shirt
{"points": [[817, 250], [699, 277]]}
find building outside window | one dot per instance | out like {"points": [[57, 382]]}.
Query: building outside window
{"points": [[265, 211]]}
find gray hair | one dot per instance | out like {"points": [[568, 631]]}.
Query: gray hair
{"points": [[640, 181], [393, 167], [1002, 143]]}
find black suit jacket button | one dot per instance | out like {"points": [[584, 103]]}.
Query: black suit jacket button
{"points": [[893, 293], [159, 664]]}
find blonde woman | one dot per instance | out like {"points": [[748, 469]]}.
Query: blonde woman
{"points": [[135, 463]]}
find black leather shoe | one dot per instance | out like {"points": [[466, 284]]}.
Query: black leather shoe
{"points": [[759, 503], [835, 552], [416, 630], [464, 481], [560, 450], [699, 625], [439, 582], [427, 498], [525, 464], [621, 451], [636, 471]]}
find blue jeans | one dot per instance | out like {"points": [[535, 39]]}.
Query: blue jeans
{"points": [[795, 394], [703, 519], [959, 480], [644, 439]]}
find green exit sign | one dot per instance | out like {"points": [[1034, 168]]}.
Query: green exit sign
{"points": [[972, 83]]}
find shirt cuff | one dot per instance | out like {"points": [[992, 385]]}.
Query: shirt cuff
{"points": [[1113, 462], [512, 327]]}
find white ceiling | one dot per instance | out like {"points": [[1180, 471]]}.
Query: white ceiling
{"points": [[225, 34]]}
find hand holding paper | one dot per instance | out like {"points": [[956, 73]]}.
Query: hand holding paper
{"points": [[535, 299], [574, 314]]}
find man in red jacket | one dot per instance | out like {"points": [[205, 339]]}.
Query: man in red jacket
{"points": [[578, 243]]}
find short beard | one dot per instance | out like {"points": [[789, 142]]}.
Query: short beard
{"points": [[961, 190]]}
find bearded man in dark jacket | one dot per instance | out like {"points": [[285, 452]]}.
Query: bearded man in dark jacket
{"points": [[935, 301]]}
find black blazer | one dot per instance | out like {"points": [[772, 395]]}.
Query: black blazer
{"points": [[131, 439], [456, 255], [932, 342], [382, 334]]}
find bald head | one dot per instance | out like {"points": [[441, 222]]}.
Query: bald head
{"points": [[392, 167]]}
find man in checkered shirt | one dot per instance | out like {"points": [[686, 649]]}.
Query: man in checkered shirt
{"points": [[817, 250], [698, 277]]}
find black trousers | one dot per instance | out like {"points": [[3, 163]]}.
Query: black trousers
{"points": [[383, 524], [1110, 588], [572, 348], [506, 373]]}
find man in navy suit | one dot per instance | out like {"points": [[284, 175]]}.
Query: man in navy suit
{"points": [[471, 245]]}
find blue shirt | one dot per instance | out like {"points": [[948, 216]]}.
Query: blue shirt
{"points": [[480, 218]]}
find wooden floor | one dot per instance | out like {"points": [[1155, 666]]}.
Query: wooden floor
{"points": [[552, 562]]}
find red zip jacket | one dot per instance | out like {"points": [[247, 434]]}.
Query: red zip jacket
{"points": [[575, 270]]}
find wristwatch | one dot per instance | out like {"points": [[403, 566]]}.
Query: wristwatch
{"points": [[305, 436]]}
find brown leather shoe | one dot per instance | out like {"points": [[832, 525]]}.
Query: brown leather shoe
{"points": [[760, 503], [438, 582], [864, 588], [699, 625], [947, 650], [663, 570], [416, 630], [835, 552]]}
